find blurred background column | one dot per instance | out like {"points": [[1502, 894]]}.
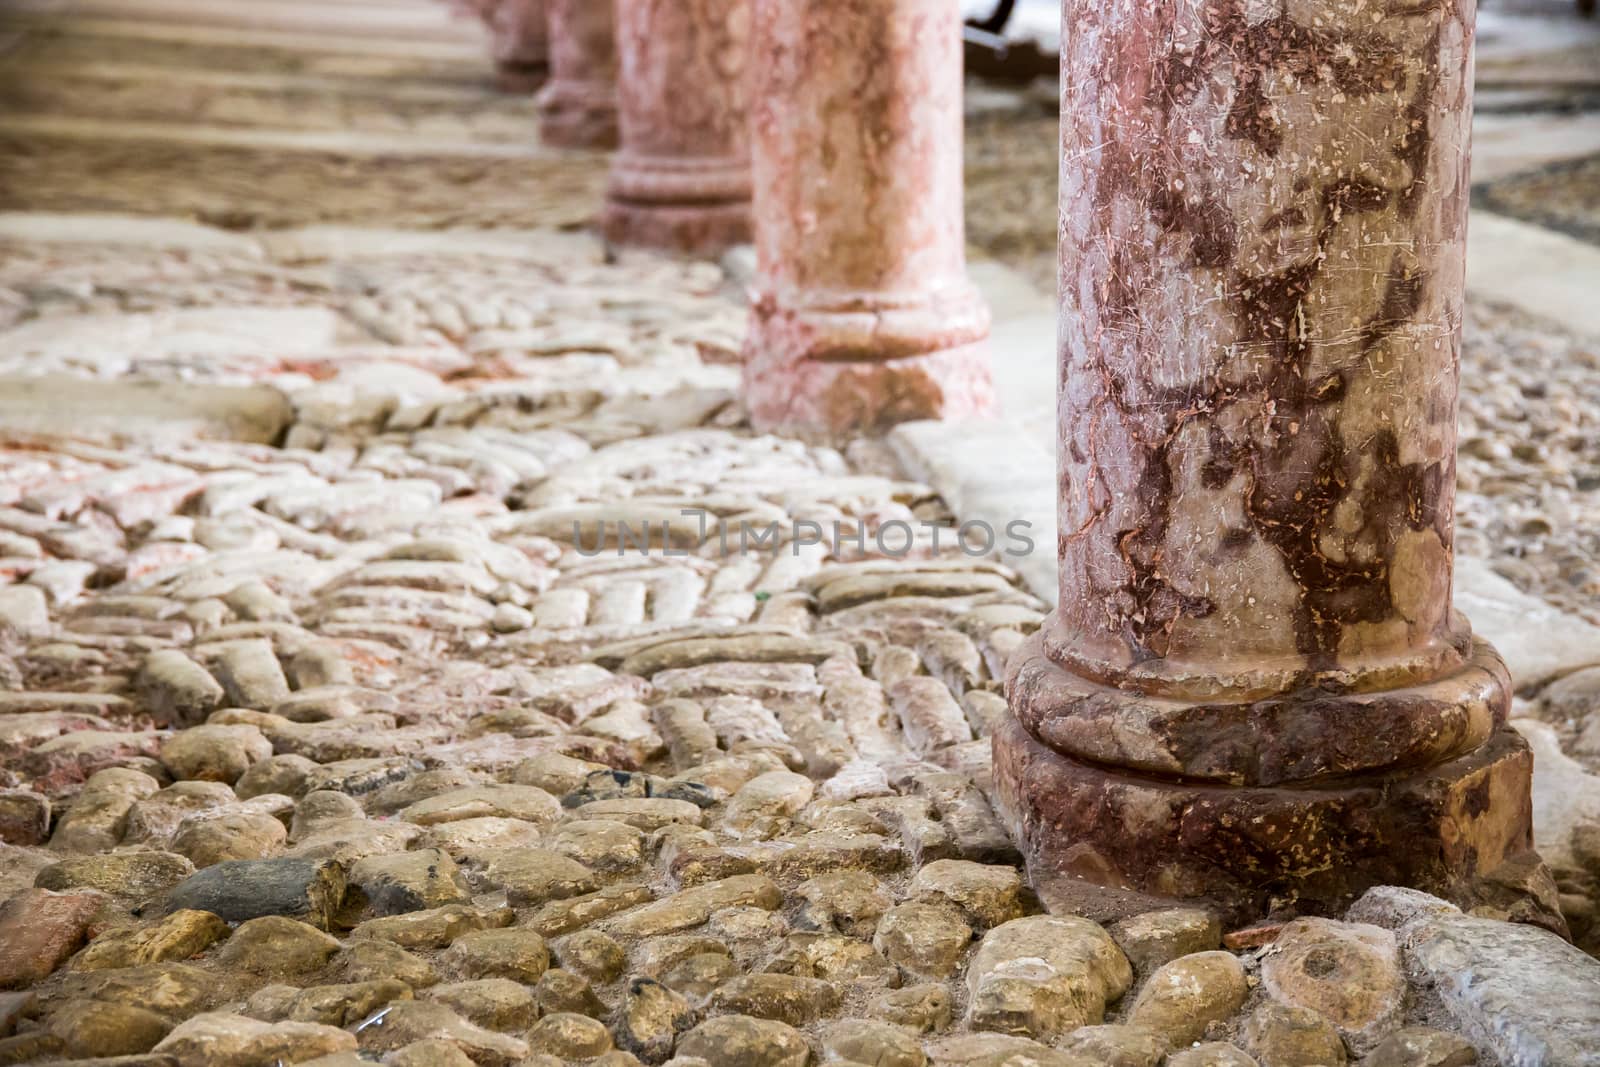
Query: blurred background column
{"points": [[682, 180], [578, 107], [863, 312]]}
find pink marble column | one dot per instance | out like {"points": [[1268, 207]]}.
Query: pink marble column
{"points": [[1255, 691], [682, 180], [863, 315], [578, 107], [518, 41]]}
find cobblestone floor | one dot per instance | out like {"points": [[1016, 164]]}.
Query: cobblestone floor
{"points": [[336, 722]]}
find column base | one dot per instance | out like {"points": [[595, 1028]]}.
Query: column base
{"points": [[812, 397], [578, 115], [692, 206], [1107, 844], [867, 362], [520, 79]]}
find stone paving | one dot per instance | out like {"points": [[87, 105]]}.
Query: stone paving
{"points": [[339, 724]]}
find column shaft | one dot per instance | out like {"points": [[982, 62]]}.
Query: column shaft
{"points": [[863, 312], [1254, 686], [518, 40], [578, 107], [682, 179]]}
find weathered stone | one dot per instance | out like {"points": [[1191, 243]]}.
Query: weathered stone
{"points": [[1418, 1046], [429, 1053], [699, 976], [175, 990], [409, 881], [966, 816], [211, 839], [370, 960], [1347, 972], [473, 839], [987, 895], [178, 936], [331, 1005], [493, 1003], [691, 907], [237, 890], [593, 955], [1184, 997], [24, 817], [1211, 1054], [999, 1050], [320, 808], [13, 1008], [249, 672], [433, 928], [213, 753], [395, 796], [570, 1036], [39, 930], [926, 939], [515, 953], [555, 773], [1044, 976], [407, 1021], [503, 801], [1117, 1046], [561, 991], [650, 1019], [929, 715], [1519, 991], [785, 997], [154, 820], [1283, 1036], [601, 844], [1153, 938], [563, 916], [176, 690], [645, 813], [921, 1008], [533, 876], [98, 815], [851, 901], [89, 1029], [36, 1046], [276, 945], [777, 795], [131, 876], [359, 776], [740, 1041], [871, 1041]]}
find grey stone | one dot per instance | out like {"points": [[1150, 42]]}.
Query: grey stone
{"points": [[176, 690], [1520, 991], [306, 889]]}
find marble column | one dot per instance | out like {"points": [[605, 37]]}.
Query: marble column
{"points": [[1255, 692], [682, 180], [520, 44], [863, 315], [578, 106], [517, 40]]}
